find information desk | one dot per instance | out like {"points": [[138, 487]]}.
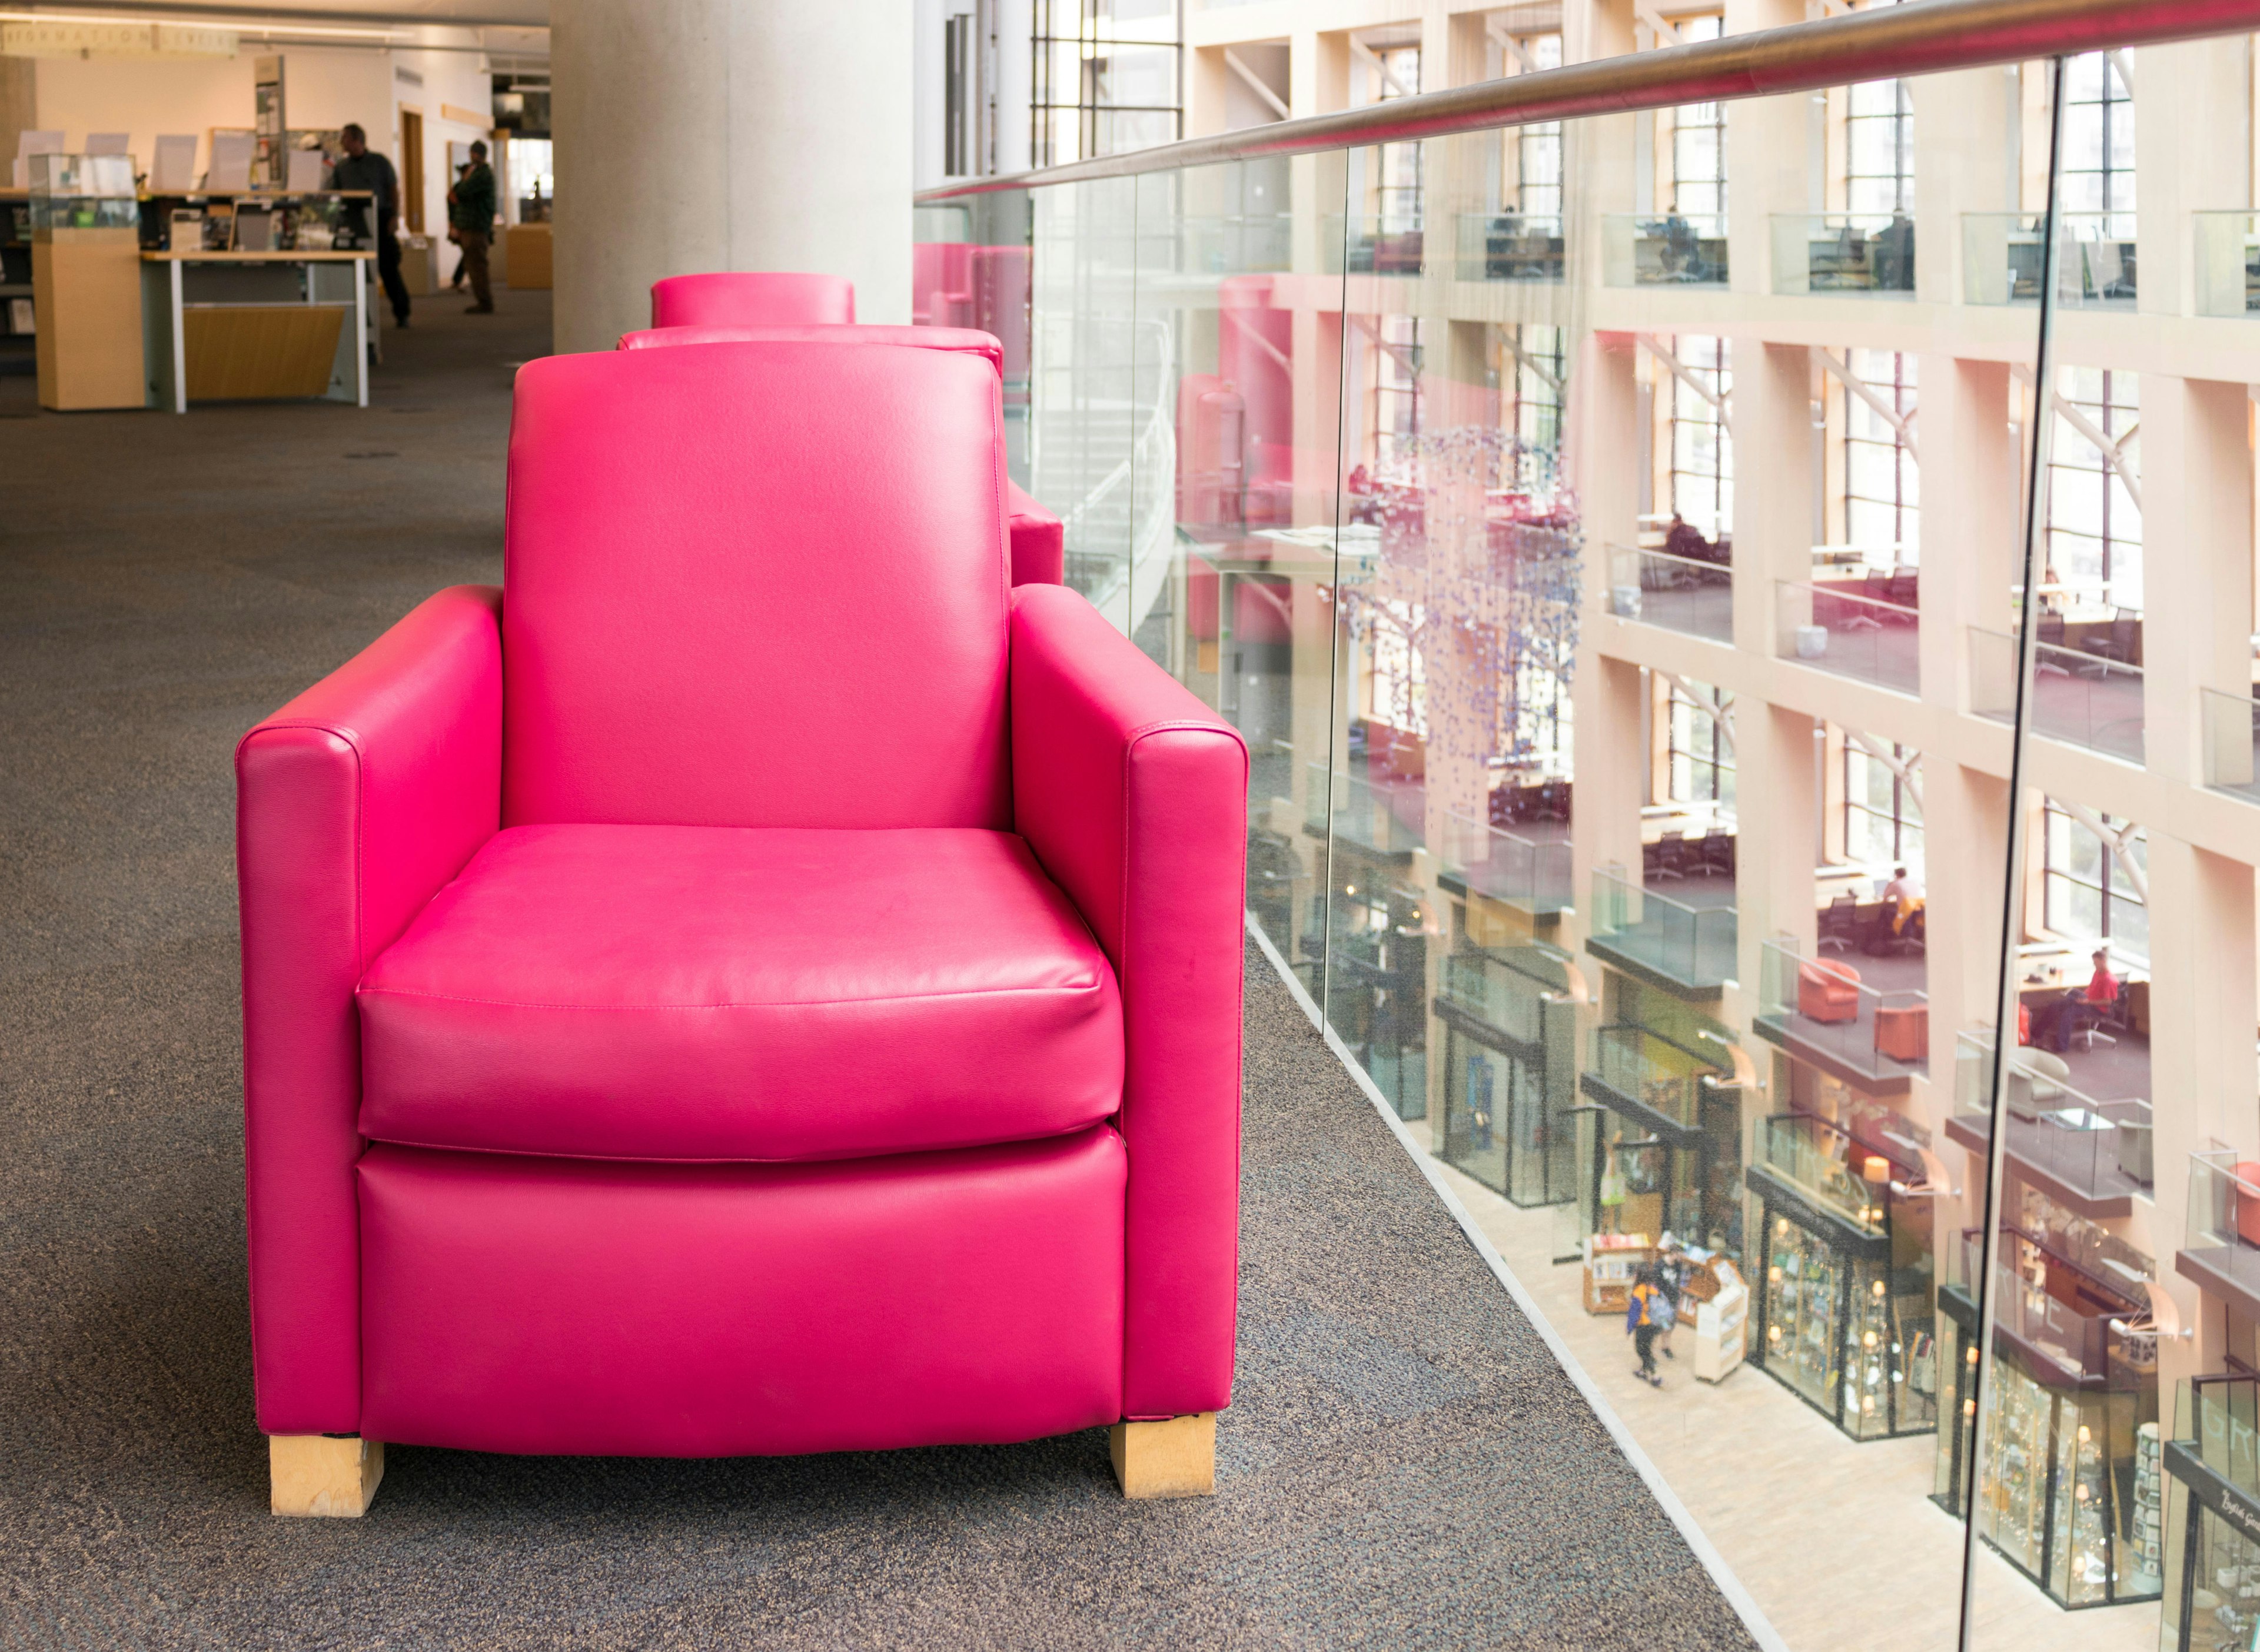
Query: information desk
{"points": [[237, 327]]}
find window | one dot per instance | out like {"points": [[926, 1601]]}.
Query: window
{"points": [[1530, 374], [1701, 767], [1699, 142], [1702, 453], [1879, 149], [1392, 72], [1880, 491], [1106, 78], [2093, 887], [2099, 147], [2095, 532], [1395, 363], [1536, 151], [1882, 824]]}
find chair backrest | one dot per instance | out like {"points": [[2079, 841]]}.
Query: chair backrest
{"points": [[756, 584], [752, 298], [964, 340]]}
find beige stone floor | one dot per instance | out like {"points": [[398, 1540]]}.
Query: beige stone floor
{"points": [[1838, 1541]]}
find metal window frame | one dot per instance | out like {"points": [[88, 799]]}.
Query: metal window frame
{"points": [[1878, 43]]}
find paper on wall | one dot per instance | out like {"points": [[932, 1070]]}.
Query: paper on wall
{"points": [[305, 170], [29, 144], [231, 162], [107, 143], [174, 168]]}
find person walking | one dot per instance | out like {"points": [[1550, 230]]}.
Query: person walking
{"points": [[1642, 1306], [363, 169], [470, 217]]}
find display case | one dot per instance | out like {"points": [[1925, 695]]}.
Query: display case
{"points": [[2068, 1490], [2210, 1518], [86, 282], [1510, 1087], [1663, 1153], [1843, 1300]]}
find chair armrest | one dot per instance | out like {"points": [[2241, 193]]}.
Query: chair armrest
{"points": [[1039, 540], [354, 804], [1135, 796]]}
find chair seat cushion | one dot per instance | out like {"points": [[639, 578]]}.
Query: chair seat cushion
{"points": [[727, 993]]}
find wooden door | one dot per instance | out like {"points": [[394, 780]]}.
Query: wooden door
{"points": [[412, 169]]}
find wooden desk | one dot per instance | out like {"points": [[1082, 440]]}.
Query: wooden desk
{"points": [[249, 339]]}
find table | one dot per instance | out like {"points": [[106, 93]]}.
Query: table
{"points": [[240, 326]]}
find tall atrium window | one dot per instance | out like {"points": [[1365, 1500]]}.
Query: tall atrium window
{"points": [[1702, 450], [1699, 142], [1536, 150], [1394, 376], [1879, 148], [1699, 753], [1387, 73], [2099, 146], [1880, 479], [2095, 530], [1530, 370], [1882, 822], [1106, 78], [2095, 884]]}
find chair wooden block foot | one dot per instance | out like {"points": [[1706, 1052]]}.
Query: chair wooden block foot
{"points": [[1175, 1458], [317, 1475]]}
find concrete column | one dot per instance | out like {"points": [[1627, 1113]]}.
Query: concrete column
{"points": [[2196, 466], [725, 134], [2193, 153], [1776, 786], [1769, 158], [1970, 511], [1611, 774], [1769, 419], [1965, 161]]}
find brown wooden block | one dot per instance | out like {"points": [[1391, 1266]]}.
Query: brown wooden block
{"points": [[317, 1475], [1176, 1458]]}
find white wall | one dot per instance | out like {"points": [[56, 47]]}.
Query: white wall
{"points": [[145, 96]]}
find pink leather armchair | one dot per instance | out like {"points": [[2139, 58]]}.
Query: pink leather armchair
{"points": [[755, 984], [745, 305], [1827, 991], [765, 298]]}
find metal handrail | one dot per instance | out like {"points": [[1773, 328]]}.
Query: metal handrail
{"points": [[1925, 37]]}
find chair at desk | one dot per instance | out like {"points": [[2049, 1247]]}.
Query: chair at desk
{"points": [[1667, 857], [1839, 922], [1715, 853], [2120, 646], [1553, 802], [1902, 590], [2051, 635]]}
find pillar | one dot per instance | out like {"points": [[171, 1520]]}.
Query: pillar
{"points": [[724, 134]]}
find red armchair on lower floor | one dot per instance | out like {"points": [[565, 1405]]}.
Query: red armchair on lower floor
{"points": [[755, 983], [1827, 991]]}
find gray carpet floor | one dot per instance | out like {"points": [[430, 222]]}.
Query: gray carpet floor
{"points": [[1405, 1464]]}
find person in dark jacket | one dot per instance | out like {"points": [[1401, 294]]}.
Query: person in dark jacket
{"points": [[1641, 1320], [363, 169], [470, 226]]}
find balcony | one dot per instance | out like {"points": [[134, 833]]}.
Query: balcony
{"points": [[1503, 1000], [1835, 253], [1669, 251], [1650, 1080], [1383, 819], [2220, 1242], [2002, 259], [1530, 875], [1379, 245], [1820, 1010], [2228, 269], [2090, 1156], [1838, 1186], [1685, 949], [2232, 743], [1510, 246], [2054, 1314], [2079, 697], [1860, 628], [1677, 593]]}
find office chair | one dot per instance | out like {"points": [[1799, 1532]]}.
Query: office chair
{"points": [[1840, 923]]}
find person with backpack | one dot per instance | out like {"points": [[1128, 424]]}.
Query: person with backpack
{"points": [[1645, 1304]]}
